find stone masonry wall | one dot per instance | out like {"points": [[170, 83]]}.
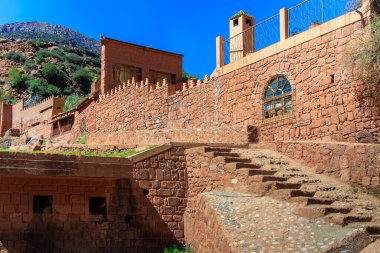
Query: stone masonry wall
{"points": [[146, 200], [353, 163], [163, 177], [326, 102]]}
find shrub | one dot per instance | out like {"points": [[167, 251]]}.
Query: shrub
{"points": [[39, 59], [83, 79], [176, 249], [14, 56], [54, 53], [29, 65], [42, 88], [362, 59], [6, 97], [72, 101], [54, 75], [17, 81], [37, 42], [73, 58]]}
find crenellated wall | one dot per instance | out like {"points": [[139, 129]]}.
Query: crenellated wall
{"points": [[327, 101]]}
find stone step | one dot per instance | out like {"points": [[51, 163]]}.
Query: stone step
{"points": [[345, 219], [261, 173], [237, 160], [266, 178], [229, 154], [313, 201], [316, 211], [217, 149], [240, 166], [279, 162], [372, 228], [285, 185], [286, 194]]}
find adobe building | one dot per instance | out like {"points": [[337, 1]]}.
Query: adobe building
{"points": [[293, 97], [122, 62]]}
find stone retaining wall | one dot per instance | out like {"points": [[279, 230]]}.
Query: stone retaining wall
{"points": [[353, 163]]}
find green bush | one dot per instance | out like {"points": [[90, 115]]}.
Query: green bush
{"points": [[37, 42], [74, 58], [54, 75], [72, 101], [29, 65], [83, 79], [42, 88], [14, 56], [6, 97], [17, 81], [39, 59], [54, 53], [176, 249]]}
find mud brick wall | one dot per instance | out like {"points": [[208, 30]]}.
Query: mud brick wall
{"points": [[354, 163], [328, 104], [163, 178]]}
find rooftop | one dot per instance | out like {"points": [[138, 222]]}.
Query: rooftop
{"points": [[240, 13]]}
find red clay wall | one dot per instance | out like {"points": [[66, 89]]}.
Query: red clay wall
{"points": [[5, 118], [222, 109]]}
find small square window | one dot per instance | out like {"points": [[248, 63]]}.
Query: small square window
{"points": [[248, 22], [98, 206], [42, 204], [236, 22]]}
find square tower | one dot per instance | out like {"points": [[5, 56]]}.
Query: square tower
{"points": [[242, 35]]}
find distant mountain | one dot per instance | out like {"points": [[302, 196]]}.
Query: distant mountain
{"points": [[58, 34]]}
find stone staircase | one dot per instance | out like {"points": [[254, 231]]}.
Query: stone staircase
{"points": [[314, 196]]}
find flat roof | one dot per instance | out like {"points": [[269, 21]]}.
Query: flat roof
{"points": [[145, 47]]}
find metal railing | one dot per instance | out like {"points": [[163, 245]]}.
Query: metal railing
{"points": [[310, 13], [301, 17]]}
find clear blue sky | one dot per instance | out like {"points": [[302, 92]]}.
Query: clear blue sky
{"points": [[188, 27]]}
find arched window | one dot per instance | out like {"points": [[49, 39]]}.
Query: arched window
{"points": [[277, 98]]}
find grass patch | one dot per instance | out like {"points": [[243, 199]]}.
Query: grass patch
{"points": [[119, 154]]}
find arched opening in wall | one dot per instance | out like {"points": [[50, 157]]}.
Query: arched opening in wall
{"points": [[278, 97]]}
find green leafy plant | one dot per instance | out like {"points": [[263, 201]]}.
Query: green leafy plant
{"points": [[54, 75], [14, 56], [42, 88], [72, 101], [17, 80], [83, 79], [176, 249]]}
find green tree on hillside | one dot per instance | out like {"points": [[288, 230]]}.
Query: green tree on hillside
{"points": [[83, 79], [54, 75], [17, 80]]}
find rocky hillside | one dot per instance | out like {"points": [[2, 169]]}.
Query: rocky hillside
{"points": [[51, 33], [35, 69]]}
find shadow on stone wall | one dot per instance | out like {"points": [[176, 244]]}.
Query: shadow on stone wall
{"points": [[132, 225]]}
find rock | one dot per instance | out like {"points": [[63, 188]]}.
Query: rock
{"points": [[3, 249], [36, 147], [365, 136]]}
